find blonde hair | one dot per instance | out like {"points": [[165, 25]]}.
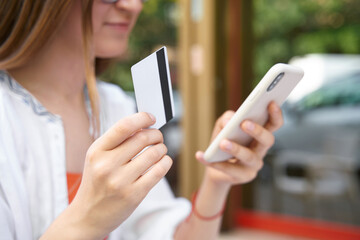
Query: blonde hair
{"points": [[26, 25]]}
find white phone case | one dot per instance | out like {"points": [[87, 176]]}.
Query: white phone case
{"points": [[254, 108]]}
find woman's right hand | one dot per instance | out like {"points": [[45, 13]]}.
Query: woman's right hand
{"points": [[116, 179]]}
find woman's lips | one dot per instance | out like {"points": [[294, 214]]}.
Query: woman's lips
{"points": [[120, 26]]}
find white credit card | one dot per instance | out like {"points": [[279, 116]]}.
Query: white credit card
{"points": [[152, 85]]}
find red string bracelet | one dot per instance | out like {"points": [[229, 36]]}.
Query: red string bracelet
{"points": [[198, 215]]}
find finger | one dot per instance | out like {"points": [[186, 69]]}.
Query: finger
{"points": [[124, 129], [264, 138], [222, 121], [146, 160], [225, 118], [199, 155], [275, 117], [135, 144], [147, 181], [237, 172], [243, 154]]}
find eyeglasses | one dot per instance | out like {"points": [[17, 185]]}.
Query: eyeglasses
{"points": [[114, 1]]}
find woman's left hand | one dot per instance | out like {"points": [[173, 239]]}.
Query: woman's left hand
{"points": [[247, 161]]}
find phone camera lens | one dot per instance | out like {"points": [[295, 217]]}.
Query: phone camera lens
{"points": [[276, 81]]}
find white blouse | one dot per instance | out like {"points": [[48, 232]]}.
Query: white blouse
{"points": [[33, 187]]}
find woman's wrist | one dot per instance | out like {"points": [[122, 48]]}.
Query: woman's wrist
{"points": [[199, 215], [72, 224], [211, 197]]}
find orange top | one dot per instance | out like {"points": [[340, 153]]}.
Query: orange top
{"points": [[73, 183]]}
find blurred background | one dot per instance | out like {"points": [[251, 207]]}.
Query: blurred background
{"points": [[218, 51]]}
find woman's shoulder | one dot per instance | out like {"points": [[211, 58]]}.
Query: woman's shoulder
{"points": [[9, 88], [5, 86], [3, 79]]}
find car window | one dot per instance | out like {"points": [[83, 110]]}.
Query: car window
{"points": [[342, 92]]}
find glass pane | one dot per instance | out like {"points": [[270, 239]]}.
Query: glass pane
{"points": [[313, 169]]}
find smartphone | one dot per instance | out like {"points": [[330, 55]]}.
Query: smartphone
{"points": [[275, 86]]}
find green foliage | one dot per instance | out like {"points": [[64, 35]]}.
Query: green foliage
{"points": [[155, 27], [287, 28]]}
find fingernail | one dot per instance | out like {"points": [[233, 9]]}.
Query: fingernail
{"points": [[152, 117], [227, 144], [166, 162], [249, 125], [226, 121], [199, 155]]}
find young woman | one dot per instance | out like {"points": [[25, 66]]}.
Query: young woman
{"points": [[56, 121]]}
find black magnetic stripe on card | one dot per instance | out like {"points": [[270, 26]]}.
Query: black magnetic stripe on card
{"points": [[164, 84]]}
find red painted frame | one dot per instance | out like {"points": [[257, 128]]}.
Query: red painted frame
{"points": [[296, 226]]}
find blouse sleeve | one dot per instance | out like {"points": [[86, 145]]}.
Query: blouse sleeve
{"points": [[7, 229], [157, 217], [14, 217]]}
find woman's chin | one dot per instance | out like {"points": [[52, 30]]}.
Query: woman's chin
{"points": [[111, 51]]}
